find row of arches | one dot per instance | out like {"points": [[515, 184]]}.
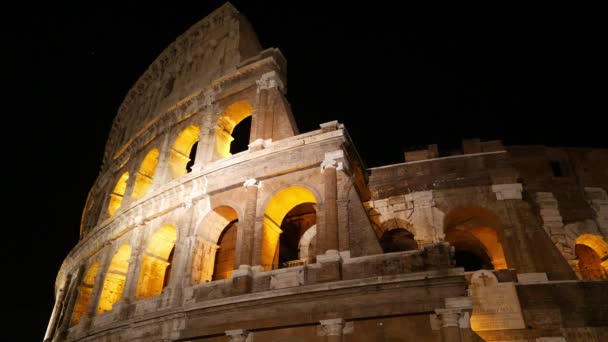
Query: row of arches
{"points": [[288, 239], [473, 232], [231, 136]]}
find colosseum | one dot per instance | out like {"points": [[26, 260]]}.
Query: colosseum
{"points": [[187, 237]]}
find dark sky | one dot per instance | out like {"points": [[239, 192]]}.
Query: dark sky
{"points": [[398, 77]]}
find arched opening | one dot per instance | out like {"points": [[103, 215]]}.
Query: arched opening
{"points": [[230, 118], [117, 194], [241, 134], [397, 240], [156, 261], [182, 151], [592, 254], [302, 218], [215, 246], [296, 222], [114, 282], [224, 257], [85, 291], [473, 233], [145, 175]]}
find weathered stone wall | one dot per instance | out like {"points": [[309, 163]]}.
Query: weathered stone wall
{"points": [[532, 204], [209, 49]]}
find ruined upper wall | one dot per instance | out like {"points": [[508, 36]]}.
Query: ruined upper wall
{"points": [[209, 49]]}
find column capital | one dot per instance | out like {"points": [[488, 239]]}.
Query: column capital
{"points": [[332, 327], [330, 126], [208, 97], [270, 80], [507, 191], [238, 335], [449, 317], [252, 182], [330, 163]]}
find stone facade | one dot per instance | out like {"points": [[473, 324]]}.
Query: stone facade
{"points": [[293, 239]]}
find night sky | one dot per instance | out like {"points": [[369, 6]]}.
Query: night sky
{"points": [[398, 77]]}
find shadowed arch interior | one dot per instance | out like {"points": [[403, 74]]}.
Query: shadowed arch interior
{"points": [[117, 194], [230, 118], [145, 175], [276, 210], [226, 251], [472, 231], [85, 291], [295, 224], [114, 281], [156, 260], [181, 151], [397, 240]]}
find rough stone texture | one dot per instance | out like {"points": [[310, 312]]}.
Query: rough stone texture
{"points": [[598, 199], [553, 224], [525, 207]]}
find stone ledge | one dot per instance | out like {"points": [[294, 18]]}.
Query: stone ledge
{"points": [[336, 285]]}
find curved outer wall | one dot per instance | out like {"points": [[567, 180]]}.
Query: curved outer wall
{"points": [[182, 240]]}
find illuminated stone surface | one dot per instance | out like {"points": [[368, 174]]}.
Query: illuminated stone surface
{"points": [[183, 241]]}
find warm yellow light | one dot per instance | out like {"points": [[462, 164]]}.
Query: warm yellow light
{"points": [[231, 117], [592, 254], [276, 210], [180, 152], [117, 194], [489, 238], [143, 178], [155, 261], [206, 248], [594, 242], [226, 252], [115, 279], [473, 229], [85, 290], [478, 240]]}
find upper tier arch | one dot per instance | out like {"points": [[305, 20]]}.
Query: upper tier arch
{"points": [[209, 49]]}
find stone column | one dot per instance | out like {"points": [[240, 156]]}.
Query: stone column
{"points": [[327, 235], [332, 329], [450, 329], [162, 174], [205, 149], [126, 197], [206, 136], [137, 250], [50, 330], [513, 237], [244, 237], [178, 270], [239, 335], [190, 245], [258, 236], [263, 122], [98, 286], [64, 324]]}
